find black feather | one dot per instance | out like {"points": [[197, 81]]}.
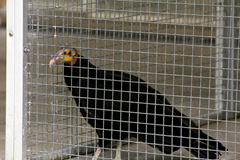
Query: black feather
{"points": [[119, 105]]}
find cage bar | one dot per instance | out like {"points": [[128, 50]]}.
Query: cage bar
{"points": [[229, 58], [16, 98]]}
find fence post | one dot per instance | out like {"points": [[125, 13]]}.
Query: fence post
{"points": [[229, 59], [16, 80]]}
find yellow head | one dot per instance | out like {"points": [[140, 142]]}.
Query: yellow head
{"points": [[67, 55]]}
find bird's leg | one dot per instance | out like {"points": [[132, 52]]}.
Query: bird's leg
{"points": [[118, 153], [98, 151]]}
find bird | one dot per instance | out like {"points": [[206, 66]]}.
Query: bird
{"points": [[119, 105]]}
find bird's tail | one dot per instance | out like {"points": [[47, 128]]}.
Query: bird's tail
{"points": [[206, 147]]}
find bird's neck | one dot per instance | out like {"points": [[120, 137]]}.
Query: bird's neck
{"points": [[81, 69]]}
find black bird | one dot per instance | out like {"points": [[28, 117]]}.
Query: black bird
{"points": [[119, 105]]}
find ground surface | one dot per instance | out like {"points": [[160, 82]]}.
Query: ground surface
{"points": [[131, 152]]}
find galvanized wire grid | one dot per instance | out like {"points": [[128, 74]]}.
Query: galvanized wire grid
{"points": [[177, 47]]}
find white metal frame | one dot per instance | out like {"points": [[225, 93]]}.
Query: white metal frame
{"points": [[16, 75]]}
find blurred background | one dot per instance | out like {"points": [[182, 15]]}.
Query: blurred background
{"points": [[3, 76]]}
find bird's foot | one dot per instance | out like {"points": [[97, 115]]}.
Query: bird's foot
{"points": [[97, 153], [118, 153]]}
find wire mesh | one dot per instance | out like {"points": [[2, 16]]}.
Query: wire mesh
{"points": [[185, 49]]}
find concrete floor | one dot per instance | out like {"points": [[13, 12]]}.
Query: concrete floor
{"points": [[228, 131]]}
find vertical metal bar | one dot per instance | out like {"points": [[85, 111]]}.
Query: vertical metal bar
{"points": [[16, 76], [232, 60], [219, 58], [229, 54]]}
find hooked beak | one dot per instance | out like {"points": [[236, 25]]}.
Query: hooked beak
{"points": [[57, 58]]}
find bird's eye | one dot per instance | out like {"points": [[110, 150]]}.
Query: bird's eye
{"points": [[64, 52]]}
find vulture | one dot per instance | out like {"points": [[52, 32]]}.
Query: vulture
{"points": [[119, 105]]}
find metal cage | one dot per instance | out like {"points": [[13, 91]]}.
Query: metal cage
{"points": [[186, 49]]}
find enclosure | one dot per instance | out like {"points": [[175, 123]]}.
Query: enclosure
{"points": [[186, 49]]}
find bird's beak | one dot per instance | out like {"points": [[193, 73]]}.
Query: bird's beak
{"points": [[57, 58]]}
